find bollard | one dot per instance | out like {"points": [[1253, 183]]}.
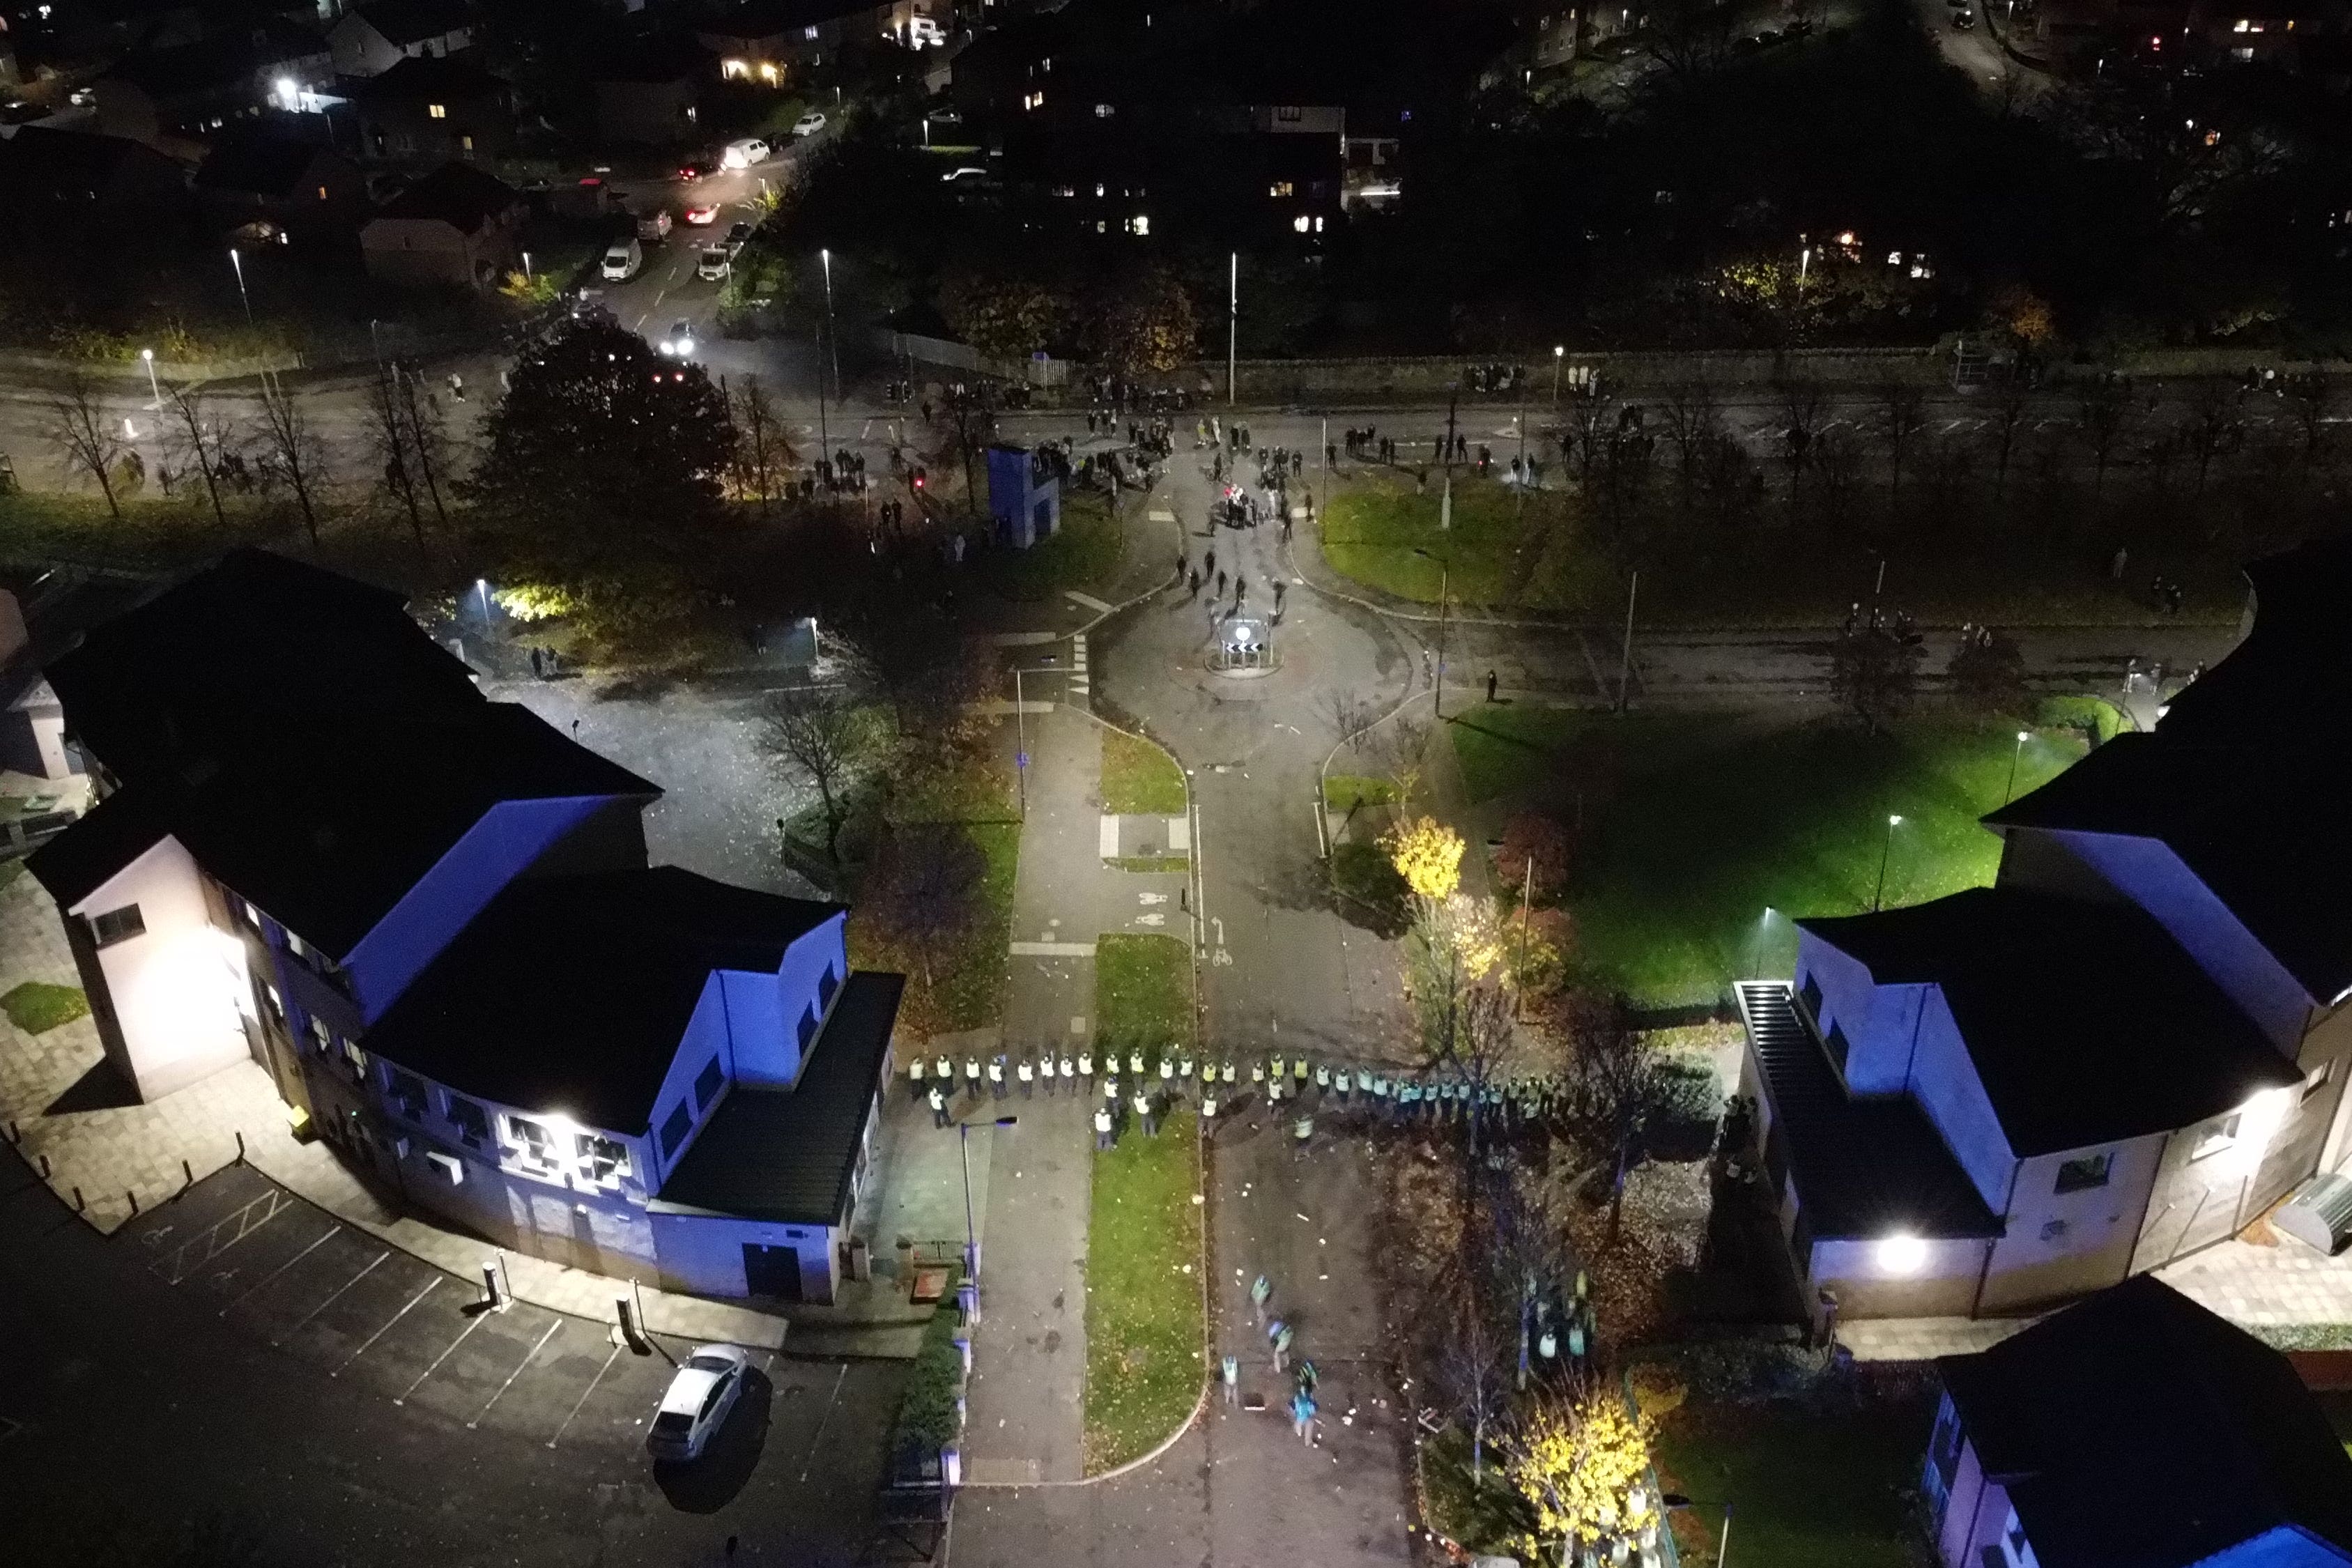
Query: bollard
{"points": [[188, 1172], [45, 1167], [240, 1148], [625, 1314], [491, 1295], [135, 1201], [14, 1134], [78, 1202]]}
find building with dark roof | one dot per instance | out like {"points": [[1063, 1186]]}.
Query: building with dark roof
{"points": [[2130, 1047], [434, 109], [429, 917], [273, 172], [369, 39], [185, 92], [456, 229], [2135, 1428], [111, 183]]}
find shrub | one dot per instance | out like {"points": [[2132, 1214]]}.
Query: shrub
{"points": [[928, 1420]]}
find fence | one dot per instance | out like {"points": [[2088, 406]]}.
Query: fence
{"points": [[948, 354]]}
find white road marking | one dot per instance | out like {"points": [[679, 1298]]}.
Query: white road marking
{"points": [[434, 1285], [529, 1357], [477, 1320], [1052, 950], [283, 1267], [330, 1300], [584, 1394]]}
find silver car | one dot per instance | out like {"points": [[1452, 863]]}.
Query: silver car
{"points": [[696, 1401]]}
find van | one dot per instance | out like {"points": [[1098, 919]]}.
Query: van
{"points": [[717, 262], [653, 227], [924, 33], [742, 154], [622, 261]]}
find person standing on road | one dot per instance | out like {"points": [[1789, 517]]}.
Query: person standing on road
{"points": [[1069, 1073], [1135, 1064], [1028, 1075], [939, 1107], [972, 1075], [1261, 1292], [1229, 1373], [1085, 1062], [1281, 1338], [1209, 564], [1208, 1112], [1103, 1139]]}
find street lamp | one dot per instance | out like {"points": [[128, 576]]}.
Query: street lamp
{"points": [[526, 265], [833, 336], [482, 587], [147, 358], [1437, 686], [2010, 788], [971, 1232], [1233, 317], [237, 263], [1559, 355], [1021, 732], [1877, 897]]}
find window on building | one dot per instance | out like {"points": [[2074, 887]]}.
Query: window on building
{"points": [[827, 983], [1944, 1448], [533, 1138], [675, 1131], [357, 1057], [406, 1090], [1289, 113], [1835, 1042], [602, 1159], [2314, 1080], [708, 1082], [244, 909], [322, 193], [275, 1003], [807, 1030], [472, 1122], [1299, 224], [321, 1037], [466, 143], [1141, 224], [1279, 189], [437, 110], [1809, 993], [1105, 111], [2090, 1170], [2216, 1137], [117, 925]]}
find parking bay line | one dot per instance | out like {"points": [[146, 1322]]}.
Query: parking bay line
{"points": [[585, 1393], [332, 1231], [809, 1461], [432, 1285], [475, 1323], [330, 1300], [529, 1357]]}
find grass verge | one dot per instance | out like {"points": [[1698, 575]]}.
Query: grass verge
{"points": [[1806, 1488], [1139, 779], [1144, 1326], [36, 1006], [1084, 552], [977, 799], [1346, 792], [1693, 825]]}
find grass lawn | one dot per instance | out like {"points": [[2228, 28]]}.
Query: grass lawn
{"points": [[1139, 779], [37, 1007], [1346, 792], [1806, 1489], [1144, 1326], [1691, 825], [1084, 552], [971, 983], [1499, 551]]}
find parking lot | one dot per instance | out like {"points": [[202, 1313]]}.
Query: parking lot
{"points": [[373, 1319]]}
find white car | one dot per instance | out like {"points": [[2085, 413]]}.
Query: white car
{"points": [[679, 341], [742, 154], [696, 1401], [808, 124], [715, 263]]}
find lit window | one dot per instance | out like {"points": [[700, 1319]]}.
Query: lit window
{"points": [[322, 197], [602, 1159], [1099, 190], [1065, 189], [1279, 189], [437, 110], [1139, 224], [466, 143], [809, 33], [2091, 1171], [1103, 110], [1033, 100], [2314, 1080], [1319, 225], [2243, 26], [768, 71], [2219, 1136], [533, 1138], [117, 925], [1301, 223], [733, 70]]}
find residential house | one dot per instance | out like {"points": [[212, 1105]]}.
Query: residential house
{"points": [[457, 227], [2127, 1050], [766, 40], [2134, 1427], [649, 94], [429, 917], [277, 178], [431, 108], [369, 39], [72, 181], [185, 92]]}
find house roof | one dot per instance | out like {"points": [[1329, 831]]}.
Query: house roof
{"points": [[430, 78], [328, 824], [661, 58], [573, 993], [2086, 1022], [791, 1155], [1862, 1167], [2136, 1429], [405, 22], [264, 160], [2260, 828], [251, 641], [769, 19], [225, 59], [42, 162], [459, 195], [2294, 659]]}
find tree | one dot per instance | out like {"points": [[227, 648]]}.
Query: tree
{"points": [[1988, 672], [599, 440], [1693, 421], [2010, 407], [2310, 396], [198, 441], [1874, 672], [923, 896], [1615, 1085], [296, 445], [428, 437], [1901, 415], [1474, 1373], [825, 740], [1532, 859], [79, 428], [1581, 1463], [388, 434], [1688, 38], [1804, 407], [1428, 855], [2103, 410], [1141, 325], [1005, 318], [2210, 425], [763, 456]]}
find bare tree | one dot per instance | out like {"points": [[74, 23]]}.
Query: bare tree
{"points": [[1688, 38], [2009, 406], [300, 450], [198, 440], [388, 431], [1874, 671], [1614, 1086], [2103, 410], [825, 740], [763, 456], [79, 428], [1901, 415], [1836, 465], [1692, 421], [429, 438], [2210, 425], [1475, 1374], [1804, 407], [2310, 397]]}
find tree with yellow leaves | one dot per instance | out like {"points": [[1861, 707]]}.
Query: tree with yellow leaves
{"points": [[1583, 1465], [1428, 855]]}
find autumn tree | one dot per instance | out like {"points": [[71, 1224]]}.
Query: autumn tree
{"points": [[1005, 318], [1582, 1464], [1616, 1086], [1146, 324], [1428, 855], [1532, 859]]}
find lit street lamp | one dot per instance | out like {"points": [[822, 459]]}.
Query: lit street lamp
{"points": [[1877, 897], [970, 1232], [1558, 353], [147, 358], [2010, 789], [238, 263], [1233, 318], [832, 336]]}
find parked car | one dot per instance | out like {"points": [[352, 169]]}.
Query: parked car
{"points": [[694, 169], [738, 237], [743, 154], [808, 124], [702, 215], [622, 261], [944, 117], [1963, 20], [717, 262], [701, 1393], [679, 341], [653, 227]]}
